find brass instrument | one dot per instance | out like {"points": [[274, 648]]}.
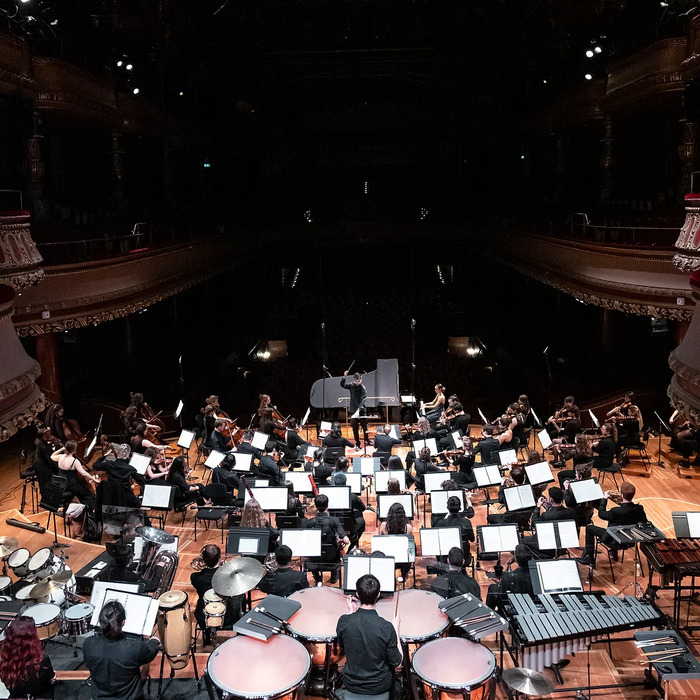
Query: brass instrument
{"points": [[198, 563], [615, 497], [163, 569]]}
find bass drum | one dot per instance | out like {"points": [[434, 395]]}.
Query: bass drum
{"points": [[453, 668], [175, 627]]}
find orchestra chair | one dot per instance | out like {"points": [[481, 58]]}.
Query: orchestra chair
{"points": [[28, 476], [288, 522], [326, 563], [200, 436], [641, 452], [217, 512], [53, 500], [332, 453], [608, 549], [612, 470]]}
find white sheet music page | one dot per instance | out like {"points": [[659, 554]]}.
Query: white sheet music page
{"points": [[140, 611], [568, 535], [243, 462], [545, 535], [509, 537], [248, 545], [438, 500], [386, 501], [303, 543], [185, 439], [492, 539], [586, 490], [519, 497], [539, 473], [449, 537], [694, 524], [368, 465], [383, 569], [139, 462], [156, 496], [259, 440], [392, 545], [559, 575], [214, 459], [326, 426], [544, 439], [489, 475]]}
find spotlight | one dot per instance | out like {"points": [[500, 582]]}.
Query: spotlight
{"points": [[129, 66], [24, 2], [181, 93], [136, 91], [120, 64], [588, 76], [589, 54], [597, 49]]}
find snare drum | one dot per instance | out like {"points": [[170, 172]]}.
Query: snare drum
{"points": [[76, 620], [23, 593], [44, 563], [18, 561], [241, 668], [175, 627], [452, 668], [214, 614], [47, 619], [5, 585], [421, 619], [315, 622]]}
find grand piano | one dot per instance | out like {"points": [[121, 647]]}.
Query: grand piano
{"points": [[382, 388]]}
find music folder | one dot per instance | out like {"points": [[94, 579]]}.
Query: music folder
{"points": [[686, 524], [326, 426], [354, 481], [382, 567], [438, 541], [367, 465], [489, 475], [539, 473], [243, 462], [248, 541], [185, 439], [555, 576], [141, 610], [498, 538], [214, 459], [381, 480], [430, 443], [586, 491], [386, 500], [268, 617], [545, 440], [519, 497], [259, 440], [438, 500], [158, 496], [302, 542], [401, 547], [178, 410], [508, 456], [395, 432], [556, 534]]}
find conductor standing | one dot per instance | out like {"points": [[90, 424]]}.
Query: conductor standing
{"points": [[358, 399]]}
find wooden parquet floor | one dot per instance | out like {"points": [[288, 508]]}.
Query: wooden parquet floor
{"points": [[662, 492]]}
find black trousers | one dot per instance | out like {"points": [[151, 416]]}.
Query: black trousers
{"points": [[355, 423]]}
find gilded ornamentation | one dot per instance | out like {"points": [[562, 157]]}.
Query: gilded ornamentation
{"points": [[19, 257], [9, 426]]}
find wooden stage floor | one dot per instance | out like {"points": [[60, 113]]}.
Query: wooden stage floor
{"points": [[665, 490]]}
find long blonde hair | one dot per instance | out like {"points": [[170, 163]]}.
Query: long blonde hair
{"points": [[253, 515]]}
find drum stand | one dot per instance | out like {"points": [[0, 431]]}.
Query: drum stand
{"points": [[172, 670]]}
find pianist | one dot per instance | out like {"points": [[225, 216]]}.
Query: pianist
{"points": [[628, 513]]}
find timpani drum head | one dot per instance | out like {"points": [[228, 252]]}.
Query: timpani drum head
{"points": [[250, 668], [317, 619], [454, 663], [420, 617]]}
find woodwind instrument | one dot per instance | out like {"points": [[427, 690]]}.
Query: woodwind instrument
{"points": [[248, 489]]}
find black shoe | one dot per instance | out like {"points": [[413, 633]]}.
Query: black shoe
{"points": [[586, 561], [333, 578]]}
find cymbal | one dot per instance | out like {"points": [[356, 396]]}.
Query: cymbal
{"points": [[237, 576], [153, 534], [8, 545], [62, 576], [45, 587], [524, 680]]}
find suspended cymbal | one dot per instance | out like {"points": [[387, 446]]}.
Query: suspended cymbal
{"points": [[45, 588], [7, 545], [153, 534], [527, 681], [237, 576], [62, 576]]}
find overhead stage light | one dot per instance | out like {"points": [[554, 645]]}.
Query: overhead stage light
{"points": [[590, 53], [588, 76]]}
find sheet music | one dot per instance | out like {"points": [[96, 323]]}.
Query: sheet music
{"points": [[438, 500], [544, 439], [99, 589], [141, 611], [507, 456], [438, 541], [354, 481], [338, 496], [300, 481], [456, 439], [157, 496], [560, 534], [519, 497], [259, 440], [178, 410], [185, 439], [568, 534], [538, 422], [368, 465], [539, 473], [693, 524], [483, 417], [396, 546], [499, 538], [261, 483], [326, 426], [381, 479], [408, 399], [243, 462], [139, 462], [214, 459], [306, 417], [430, 443], [310, 449], [269, 498], [381, 567], [560, 575], [489, 475], [395, 432], [247, 545], [586, 490], [303, 543], [386, 501], [91, 447], [434, 480], [596, 422], [546, 537]]}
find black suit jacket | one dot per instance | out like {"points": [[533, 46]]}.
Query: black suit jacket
{"points": [[202, 582], [383, 444], [626, 514], [283, 582], [220, 442], [556, 513]]}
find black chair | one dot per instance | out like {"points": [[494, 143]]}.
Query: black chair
{"points": [[328, 561], [332, 453], [641, 449], [288, 522], [612, 470], [218, 510], [622, 548], [29, 478]]}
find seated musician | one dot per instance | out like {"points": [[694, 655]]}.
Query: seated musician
{"points": [[42, 464], [629, 429], [424, 466], [113, 659], [518, 477], [517, 422], [357, 508], [332, 537], [157, 469], [604, 449], [566, 422], [581, 453], [458, 422], [185, 492], [686, 440], [335, 439], [294, 441], [202, 582], [139, 442], [456, 519], [504, 434], [253, 516], [218, 441], [284, 580], [269, 466], [123, 570], [517, 581], [553, 508], [294, 505], [318, 468], [245, 446], [433, 410], [383, 443], [370, 644], [627, 513], [224, 474], [487, 445], [54, 420], [464, 476], [582, 512], [455, 581], [70, 467]]}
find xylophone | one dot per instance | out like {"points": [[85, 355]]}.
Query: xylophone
{"points": [[548, 627], [674, 559]]}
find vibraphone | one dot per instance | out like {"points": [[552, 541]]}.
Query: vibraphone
{"points": [[673, 560], [546, 628]]}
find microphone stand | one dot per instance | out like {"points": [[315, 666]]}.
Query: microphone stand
{"points": [[659, 463], [324, 362], [182, 387], [414, 415]]}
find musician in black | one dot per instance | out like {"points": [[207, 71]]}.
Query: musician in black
{"points": [[566, 422], [269, 466], [218, 441], [455, 581], [123, 569], [423, 466], [553, 508], [456, 519], [224, 474], [487, 445], [517, 581], [459, 422], [358, 401], [284, 580], [383, 443], [246, 448], [332, 538], [202, 582], [628, 513], [295, 443], [604, 449], [335, 439], [356, 506]]}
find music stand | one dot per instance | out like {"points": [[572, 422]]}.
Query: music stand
{"points": [[494, 539], [304, 543], [270, 498], [52, 500], [382, 567], [401, 547], [252, 542], [381, 480], [556, 534], [686, 524], [386, 500], [438, 541], [555, 576], [159, 497], [659, 463]]}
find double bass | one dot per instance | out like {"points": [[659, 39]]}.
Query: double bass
{"points": [[65, 428], [143, 410]]}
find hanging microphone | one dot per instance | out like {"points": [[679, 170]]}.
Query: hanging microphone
{"points": [[323, 326], [413, 324]]}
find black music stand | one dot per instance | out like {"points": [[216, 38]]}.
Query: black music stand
{"points": [[659, 463], [52, 500]]}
